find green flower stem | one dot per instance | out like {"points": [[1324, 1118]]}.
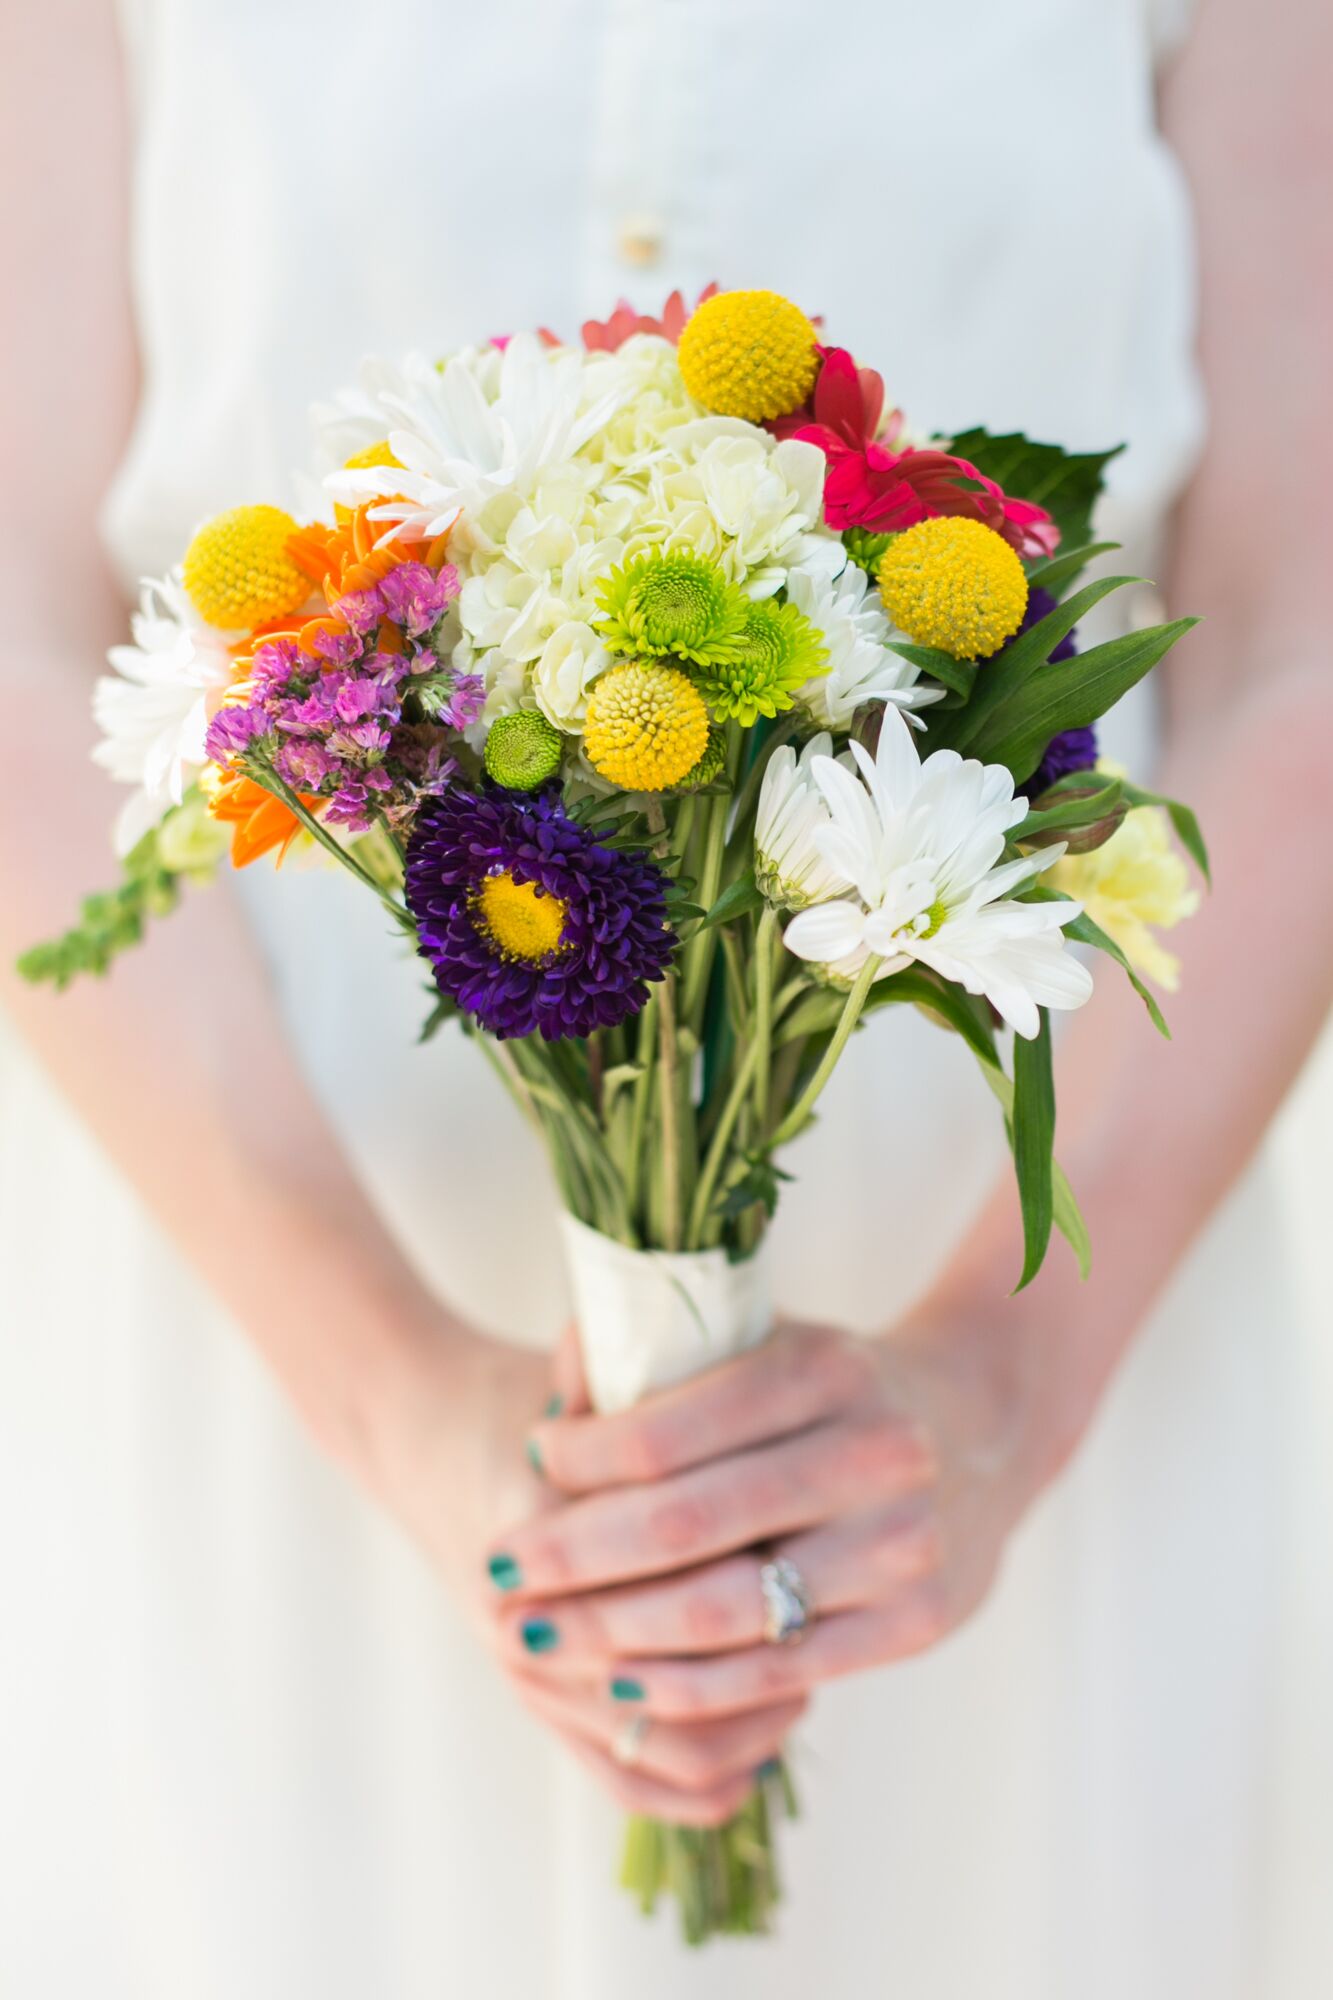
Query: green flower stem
{"points": [[668, 1075], [268, 780], [638, 1127], [851, 1013], [724, 1879], [698, 956], [763, 1012], [717, 1150]]}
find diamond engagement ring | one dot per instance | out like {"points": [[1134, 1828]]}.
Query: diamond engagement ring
{"points": [[787, 1608], [625, 1749]]}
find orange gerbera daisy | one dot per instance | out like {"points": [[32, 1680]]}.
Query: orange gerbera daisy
{"points": [[260, 822]]}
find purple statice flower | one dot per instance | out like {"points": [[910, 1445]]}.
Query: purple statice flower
{"points": [[558, 972], [1071, 750], [233, 730], [465, 704], [415, 597], [361, 610]]}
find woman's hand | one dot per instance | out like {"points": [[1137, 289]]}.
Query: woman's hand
{"points": [[890, 1471]]}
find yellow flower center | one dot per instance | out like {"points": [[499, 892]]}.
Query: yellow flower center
{"points": [[647, 725], [954, 584], [237, 571], [748, 354], [520, 919], [379, 453]]}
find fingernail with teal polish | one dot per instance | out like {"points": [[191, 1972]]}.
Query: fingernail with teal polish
{"points": [[769, 1770], [625, 1690], [539, 1635], [505, 1572], [532, 1451], [554, 1405]]}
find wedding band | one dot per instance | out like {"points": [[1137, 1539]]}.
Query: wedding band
{"points": [[787, 1609], [625, 1749]]}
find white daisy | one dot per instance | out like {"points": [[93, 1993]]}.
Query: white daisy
{"points": [[922, 845], [152, 710], [856, 631], [478, 426], [789, 868]]}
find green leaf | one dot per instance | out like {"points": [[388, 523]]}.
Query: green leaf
{"points": [[1182, 819], [818, 1013], [1004, 678], [1053, 574], [759, 1183], [1070, 695], [959, 676], [109, 922], [1068, 1216], [1072, 812], [1034, 1142], [738, 899], [1068, 484]]}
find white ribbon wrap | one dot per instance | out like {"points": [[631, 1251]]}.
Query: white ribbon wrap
{"points": [[648, 1318]]}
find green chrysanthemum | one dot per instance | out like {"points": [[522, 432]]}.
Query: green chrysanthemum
{"points": [[522, 750], [673, 604], [865, 548], [780, 652], [710, 766]]}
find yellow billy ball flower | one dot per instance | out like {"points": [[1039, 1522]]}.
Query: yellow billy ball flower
{"points": [[379, 453], [647, 725], [748, 354], [520, 919], [954, 584], [237, 571]]}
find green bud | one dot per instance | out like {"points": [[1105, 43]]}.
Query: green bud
{"points": [[189, 840], [865, 548], [1077, 839], [710, 766], [522, 750]]}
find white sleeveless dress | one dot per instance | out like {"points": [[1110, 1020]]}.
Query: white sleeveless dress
{"points": [[251, 1753]]}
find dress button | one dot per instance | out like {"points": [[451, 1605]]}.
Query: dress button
{"points": [[639, 241]]}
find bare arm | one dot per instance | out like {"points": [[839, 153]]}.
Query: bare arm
{"points": [[1155, 1134], [177, 1061]]}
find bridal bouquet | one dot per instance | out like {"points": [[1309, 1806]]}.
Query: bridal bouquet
{"points": [[683, 710]]}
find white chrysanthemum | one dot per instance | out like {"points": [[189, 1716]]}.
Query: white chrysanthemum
{"points": [[478, 427], [790, 870], [922, 846], [855, 629], [152, 709], [363, 414], [564, 672]]}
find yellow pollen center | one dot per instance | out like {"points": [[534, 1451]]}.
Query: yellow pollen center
{"points": [[520, 919], [380, 453]]}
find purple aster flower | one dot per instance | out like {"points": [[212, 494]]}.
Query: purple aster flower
{"points": [[1040, 604], [530, 925], [1071, 750]]}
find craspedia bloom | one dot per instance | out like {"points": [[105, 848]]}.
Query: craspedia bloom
{"points": [[522, 750], [749, 354], [237, 571], [671, 603], [955, 584], [647, 726], [781, 652], [530, 925]]}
